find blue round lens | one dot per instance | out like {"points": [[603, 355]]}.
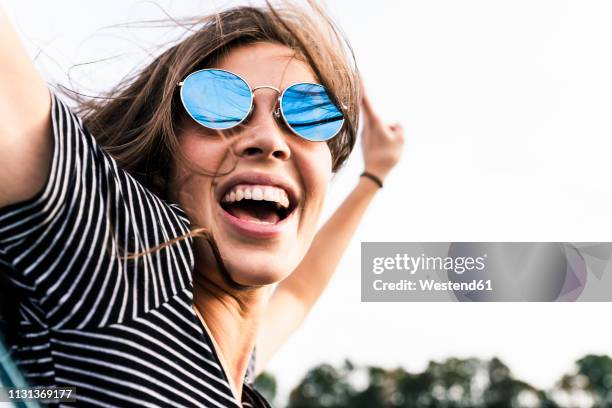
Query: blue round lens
{"points": [[216, 99], [310, 112]]}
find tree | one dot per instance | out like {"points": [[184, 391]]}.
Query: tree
{"points": [[453, 383], [505, 391], [591, 381], [324, 386], [265, 383]]}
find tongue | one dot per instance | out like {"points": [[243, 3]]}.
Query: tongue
{"points": [[255, 213]]}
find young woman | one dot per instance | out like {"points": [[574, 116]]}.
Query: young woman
{"points": [[145, 239]]}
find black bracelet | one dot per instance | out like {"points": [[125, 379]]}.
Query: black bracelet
{"points": [[373, 178]]}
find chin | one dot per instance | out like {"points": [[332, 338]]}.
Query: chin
{"points": [[254, 270]]}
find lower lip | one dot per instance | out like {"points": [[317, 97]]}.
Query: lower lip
{"points": [[254, 229]]}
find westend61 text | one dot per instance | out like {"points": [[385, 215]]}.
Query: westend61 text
{"points": [[432, 285]]}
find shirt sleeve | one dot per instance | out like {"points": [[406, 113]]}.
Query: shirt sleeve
{"points": [[68, 247]]}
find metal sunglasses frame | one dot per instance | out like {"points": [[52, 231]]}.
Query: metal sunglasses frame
{"points": [[278, 111]]}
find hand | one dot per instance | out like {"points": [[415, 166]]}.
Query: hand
{"points": [[381, 143]]}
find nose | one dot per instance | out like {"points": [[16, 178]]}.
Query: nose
{"points": [[263, 138]]}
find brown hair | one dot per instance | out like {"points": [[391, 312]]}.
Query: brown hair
{"points": [[136, 121]]}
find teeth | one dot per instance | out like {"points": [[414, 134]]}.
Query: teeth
{"points": [[269, 195], [260, 221], [258, 193]]}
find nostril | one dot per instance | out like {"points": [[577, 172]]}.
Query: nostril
{"points": [[251, 151], [279, 154]]}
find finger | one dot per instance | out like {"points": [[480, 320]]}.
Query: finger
{"points": [[399, 135], [368, 109], [397, 128], [397, 132]]}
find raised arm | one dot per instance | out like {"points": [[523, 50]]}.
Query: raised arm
{"points": [[294, 297], [25, 135]]}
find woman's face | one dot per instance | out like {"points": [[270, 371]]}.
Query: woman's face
{"points": [[260, 243]]}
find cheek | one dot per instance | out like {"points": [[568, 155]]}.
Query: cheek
{"points": [[205, 153], [192, 181], [315, 169]]}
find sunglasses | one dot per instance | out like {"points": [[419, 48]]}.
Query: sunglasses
{"points": [[218, 99]]}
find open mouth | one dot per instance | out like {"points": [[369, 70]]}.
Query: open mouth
{"points": [[258, 204]]}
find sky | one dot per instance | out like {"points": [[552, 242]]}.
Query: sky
{"points": [[506, 108]]}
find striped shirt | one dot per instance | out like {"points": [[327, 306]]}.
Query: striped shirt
{"points": [[122, 331]]}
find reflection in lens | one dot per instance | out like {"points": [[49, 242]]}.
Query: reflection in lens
{"points": [[216, 99], [310, 112]]}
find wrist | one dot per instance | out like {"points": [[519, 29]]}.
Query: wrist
{"points": [[366, 188], [378, 171], [372, 179]]}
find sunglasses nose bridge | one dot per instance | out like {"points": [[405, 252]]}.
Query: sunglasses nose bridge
{"points": [[276, 112], [267, 87]]}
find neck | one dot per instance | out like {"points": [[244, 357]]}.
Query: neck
{"points": [[232, 316]]}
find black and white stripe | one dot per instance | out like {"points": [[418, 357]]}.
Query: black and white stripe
{"points": [[122, 331]]}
